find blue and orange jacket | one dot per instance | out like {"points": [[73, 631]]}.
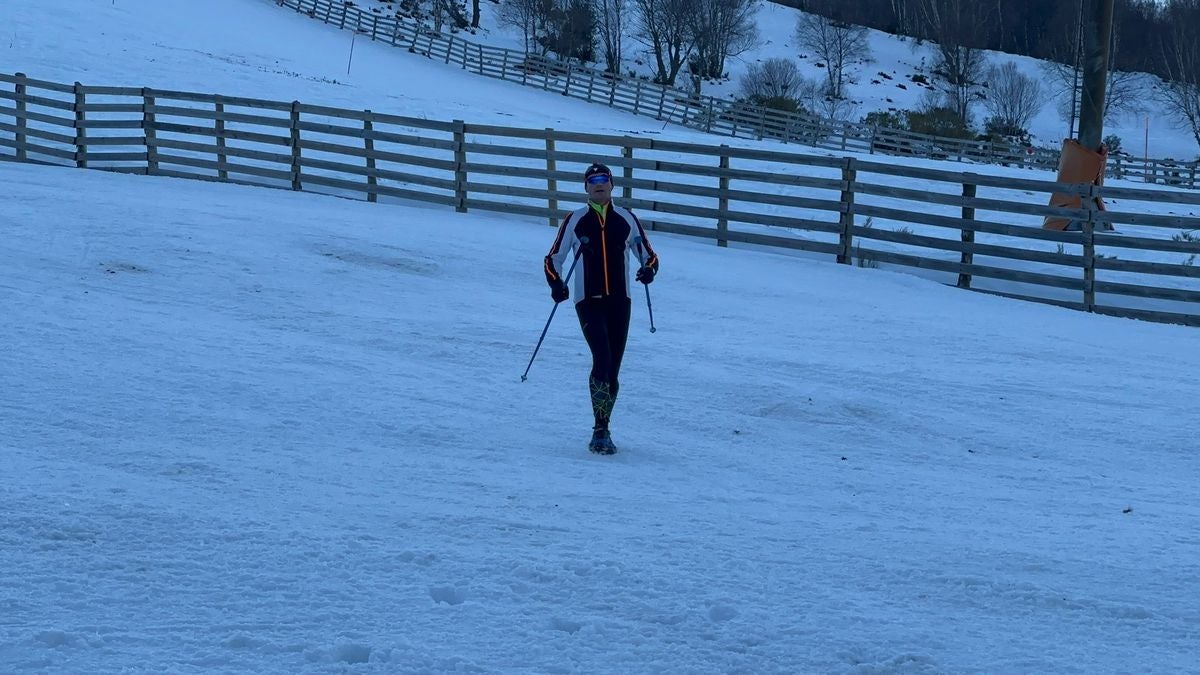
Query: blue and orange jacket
{"points": [[612, 233]]}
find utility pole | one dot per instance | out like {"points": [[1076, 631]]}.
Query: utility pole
{"points": [[1097, 33]]}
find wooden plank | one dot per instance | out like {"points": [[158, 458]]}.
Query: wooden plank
{"points": [[968, 247], [956, 267], [1068, 304], [113, 91], [210, 99], [114, 107], [539, 193], [1147, 243], [29, 99], [460, 161], [18, 129], [1144, 267], [37, 84], [1149, 220], [116, 140], [116, 156], [846, 218], [356, 170], [31, 116], [415, 195], [957, 223], [213, 149], [111, 124], [789, 222], [29, 147], [509, 207], [199, 113], [779, 178], [1148, 315], [22, 131], [967, 235], [227, 166], [795, 244], [227, 134], [376, 135], [80, 129], [369, 151], [1140, 291]]}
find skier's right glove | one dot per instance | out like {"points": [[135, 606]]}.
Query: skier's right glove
{"points": [[558, 291]]}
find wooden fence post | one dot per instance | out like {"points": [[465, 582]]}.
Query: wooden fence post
{"points": [[637, 98], [460, 166], [449, 48], [723, 199], [627, 174], [369, 147], [21, 120], [662, 101], [80, 130], [150, 131], [968, 237], [222, 158], [551, 181], [374, 27], [295, 142], [846, 239], [709, 115], [762, 122], [1089, 250]]}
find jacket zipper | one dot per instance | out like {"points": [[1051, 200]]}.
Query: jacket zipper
{"points": [[604, 250]]}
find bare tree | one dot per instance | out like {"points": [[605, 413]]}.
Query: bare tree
{"points": [[527, 16], [1122, 95], [474, 13], [610, 24], [957, 27], [835, 43], [1180, 93], [721, 29], [663, 26], [1013, 99], [774, 83]]}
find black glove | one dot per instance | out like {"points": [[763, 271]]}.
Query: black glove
{"points": [[645, 274], [558, 291]]}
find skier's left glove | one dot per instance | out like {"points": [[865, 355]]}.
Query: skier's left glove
{"points": [[558, 291], [645, 274]]}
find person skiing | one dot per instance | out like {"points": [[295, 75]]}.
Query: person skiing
{"points": [[602, 235]]}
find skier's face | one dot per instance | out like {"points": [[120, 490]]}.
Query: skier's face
{"points": [[599, 188]]}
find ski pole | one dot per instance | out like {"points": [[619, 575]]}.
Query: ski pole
{"points": [[649, 308], [582, 241]]}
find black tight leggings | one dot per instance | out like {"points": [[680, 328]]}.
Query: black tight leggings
{"points": [[605, 324]]}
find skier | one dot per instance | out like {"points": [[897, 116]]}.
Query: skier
{"points": [[601, 286]]}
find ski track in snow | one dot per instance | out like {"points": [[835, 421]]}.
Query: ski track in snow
{"points": [[250, 430]]}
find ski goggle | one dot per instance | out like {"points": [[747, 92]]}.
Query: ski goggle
{"points": [[599, 179]]}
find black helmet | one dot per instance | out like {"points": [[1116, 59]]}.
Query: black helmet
{"points": [[595, 169]]}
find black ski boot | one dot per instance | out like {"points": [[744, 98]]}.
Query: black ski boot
{"points": [[601, 442]]}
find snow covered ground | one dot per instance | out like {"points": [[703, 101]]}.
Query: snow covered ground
{"points": [[250, 430], [260, 431]]}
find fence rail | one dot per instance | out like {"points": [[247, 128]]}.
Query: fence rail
{"points": [[974, 231], [710, 114]]}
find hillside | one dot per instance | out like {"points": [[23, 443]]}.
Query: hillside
{"points": [[886, 81]]}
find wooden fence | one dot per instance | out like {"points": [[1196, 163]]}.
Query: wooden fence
{"points": [[974, 231], [713, 115]]}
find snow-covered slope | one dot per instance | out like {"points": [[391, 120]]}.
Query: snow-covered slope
{"points": [[250, 430]]}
